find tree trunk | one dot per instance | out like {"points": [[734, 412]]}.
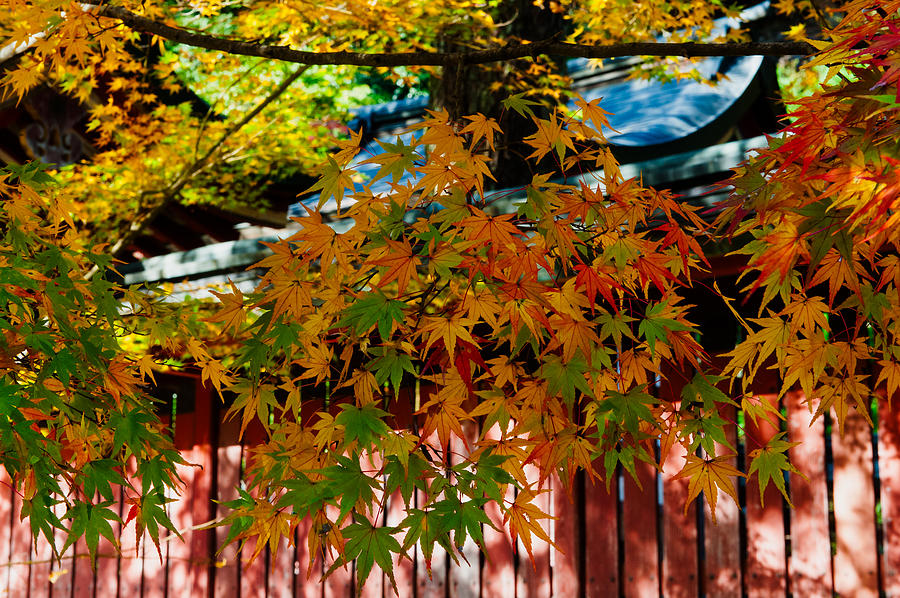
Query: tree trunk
{"points": [[469, 89]]}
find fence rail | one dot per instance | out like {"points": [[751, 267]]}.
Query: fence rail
{"points": [[841, 538]]}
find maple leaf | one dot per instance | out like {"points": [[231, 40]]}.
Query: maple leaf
{"points": [[523, 518], [317, 241], [324, 536], [550, 136], [481, 127], [840, 394], [374, 308], [396, 159], [233, 311], [400, 261], [448, 330], [444, 415], [494, 231], [770, 463], [597, 278], [592, 112], [520, 104], [656, 326], [709, 475], [333, 182], [364, 425], [368, 544], [119, 379], [890, 374]]}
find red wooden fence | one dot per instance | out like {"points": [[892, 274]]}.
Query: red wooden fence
{"points": [[842, 536]]}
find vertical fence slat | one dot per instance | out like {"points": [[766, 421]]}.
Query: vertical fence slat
{"points": [[131, 565], [189, 560], [723, 549], [564, 562], [63, 572], [181, 513], [340, 583], [229, 476], [153, 568], [179, 551], [304, 587], [203, 508], [639, 522], [403, 568], [41, 555], [106, 572], [435, 584], [889, 472], [601, 543], [810, 561], [766, 558], [856, 556], [533, 578], [498, 576], [281, 571], [253, 574], [7, 522], [20, 551], [374, 586], [679, 566], [84, 579], [464, 579]]}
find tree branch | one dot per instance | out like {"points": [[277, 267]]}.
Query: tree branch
{"points": [[499, 54]]}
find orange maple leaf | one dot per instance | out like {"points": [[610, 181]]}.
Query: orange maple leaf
{"points": [[523, 518], [401, 263]]}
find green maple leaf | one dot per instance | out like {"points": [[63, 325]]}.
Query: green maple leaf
{"points": [[100, 475], [351, 484], [374, 308], [518, 103], [369, 544], [152, 516], [90, 521], [390, 365], [426, 527], [490, 476], [565, 377], [364, 424], [397, 159], [406, 478], [770, 463], [629, 409], [332, 183], [304, 496], [464, 518], [131, 430], [701, 387], [654, 328]]}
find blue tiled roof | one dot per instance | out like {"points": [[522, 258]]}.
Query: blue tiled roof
{"points": [[645, 113]]}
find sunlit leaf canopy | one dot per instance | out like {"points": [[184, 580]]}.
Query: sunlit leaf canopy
{"points": [[364, 353], [152, 147]]}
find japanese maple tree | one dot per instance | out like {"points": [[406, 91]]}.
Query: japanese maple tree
{"points": [[547, 324]]}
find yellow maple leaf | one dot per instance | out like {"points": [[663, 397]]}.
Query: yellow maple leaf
{"points": [[447, 329], [233, 311], [709, 475]]}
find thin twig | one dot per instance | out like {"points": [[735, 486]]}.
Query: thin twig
{"points": [[171, 192]]}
